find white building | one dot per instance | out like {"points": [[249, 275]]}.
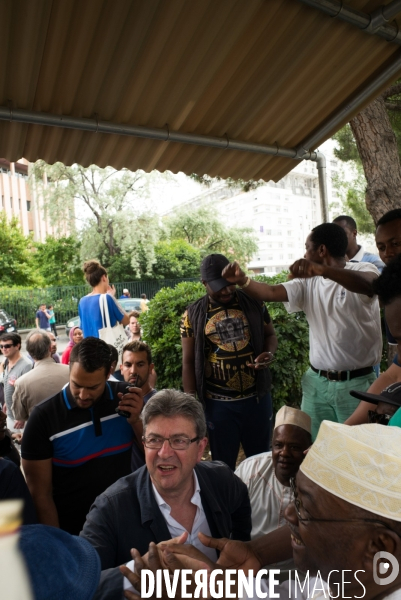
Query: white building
{"points": [[282, 214], [17, 199]]}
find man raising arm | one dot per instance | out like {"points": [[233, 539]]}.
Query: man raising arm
{"points": [[344, 321]]}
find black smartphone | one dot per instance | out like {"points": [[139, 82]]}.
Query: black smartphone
{"points": [[124, 413]]}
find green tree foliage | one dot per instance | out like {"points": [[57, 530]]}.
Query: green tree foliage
{"points": [[347, 150], [241, 184], [110, 203], [176, 259], [16, 264], [202, 229], [352, 194], [161, 329], [58, 261]]}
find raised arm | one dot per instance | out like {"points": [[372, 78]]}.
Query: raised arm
{"points": [[261, 291], [360, 414], [359, 282]]}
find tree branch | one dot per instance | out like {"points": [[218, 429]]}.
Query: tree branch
{"points": [[392, 91], [393, 106]]}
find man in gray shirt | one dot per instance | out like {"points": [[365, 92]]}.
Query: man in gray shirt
{"points": [[15, 366]]}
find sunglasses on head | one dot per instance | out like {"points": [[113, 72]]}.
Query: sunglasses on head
{"points": [[6, 345]]}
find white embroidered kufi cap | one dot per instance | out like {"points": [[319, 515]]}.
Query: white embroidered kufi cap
{"points": [[293, 416], [360, 464]]}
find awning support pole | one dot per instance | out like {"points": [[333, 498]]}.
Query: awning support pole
{"points": [[375, 23]]}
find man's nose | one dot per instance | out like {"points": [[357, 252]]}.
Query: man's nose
{"points": [[285, 451], [290, 514], [389, 251], [165, 450], [84, 394]]}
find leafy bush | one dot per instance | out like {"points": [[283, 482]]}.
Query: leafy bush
{"points": [[161, 329], [292, 356]]}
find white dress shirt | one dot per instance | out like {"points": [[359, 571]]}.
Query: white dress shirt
{"points": [[200, 524]]}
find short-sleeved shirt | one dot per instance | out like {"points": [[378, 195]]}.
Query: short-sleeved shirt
{"points": [[228, 349], [21, 367], [91, 317], [344, 327], [43, 319], [90, 449]]}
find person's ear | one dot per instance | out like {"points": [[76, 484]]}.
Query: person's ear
{"points": [[204, 283], [322, 250], [381, 540], [201, 448], [151, 368]]}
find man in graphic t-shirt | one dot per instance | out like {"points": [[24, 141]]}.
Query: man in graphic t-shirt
{"points": [[228, 341]]}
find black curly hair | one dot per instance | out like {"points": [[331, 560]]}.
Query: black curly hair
{"points": [[332, 236], [388, 285], [391, 215], [349, 220]]}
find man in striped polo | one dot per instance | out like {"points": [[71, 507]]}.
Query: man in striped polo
{"points": [[75, 444]]}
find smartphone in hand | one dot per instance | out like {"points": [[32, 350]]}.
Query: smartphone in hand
{"points": [[124, 413]]}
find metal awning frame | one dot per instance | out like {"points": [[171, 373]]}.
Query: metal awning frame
{"points": [[373, 24]]}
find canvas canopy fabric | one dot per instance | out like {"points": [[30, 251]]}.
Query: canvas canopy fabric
{"points": [[262, 71]]}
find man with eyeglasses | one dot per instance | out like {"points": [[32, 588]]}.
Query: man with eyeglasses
{"points": [[14, 366], [344, 526], [174, 494]]}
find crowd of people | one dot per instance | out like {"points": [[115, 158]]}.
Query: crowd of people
{"points": [[109, 458]]}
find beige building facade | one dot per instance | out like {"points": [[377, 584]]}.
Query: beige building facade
{"points": [[18, 199]]}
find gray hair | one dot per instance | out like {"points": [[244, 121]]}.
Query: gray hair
{"points": [[38, 344], [174, 403]]}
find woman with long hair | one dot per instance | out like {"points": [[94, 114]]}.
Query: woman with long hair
{"points": [[89, 309]]}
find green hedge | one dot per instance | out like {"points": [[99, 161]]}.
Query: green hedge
{"points": [[162, 332]]}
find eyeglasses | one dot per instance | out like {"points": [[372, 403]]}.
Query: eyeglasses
{"points": [[375, 417], [6, 346], [299, 506], [177, 442]]}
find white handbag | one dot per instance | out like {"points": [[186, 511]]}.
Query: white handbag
{"points": [[116, 335]]}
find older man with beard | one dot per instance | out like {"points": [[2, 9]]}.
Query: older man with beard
{"points": [[344, 524]]}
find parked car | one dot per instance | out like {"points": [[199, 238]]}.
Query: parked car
{"points": [[7, 323], [128, 305]]}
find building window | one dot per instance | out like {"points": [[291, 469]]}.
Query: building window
{"points": [[28, 205], [261, 228]]}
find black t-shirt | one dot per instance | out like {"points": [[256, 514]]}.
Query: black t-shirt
{"points": [[90, 449], [228, 350]]}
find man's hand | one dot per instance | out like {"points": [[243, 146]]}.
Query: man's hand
{"points": [[154, 564], [233, 554], [180, 539], [304, 269], [111, 290], [191, 557], [262, 361], [234, 274], [19, 424], [131, 402]]}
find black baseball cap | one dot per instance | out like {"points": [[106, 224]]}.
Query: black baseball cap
{"points": [[390, 395], [211, 268]]}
